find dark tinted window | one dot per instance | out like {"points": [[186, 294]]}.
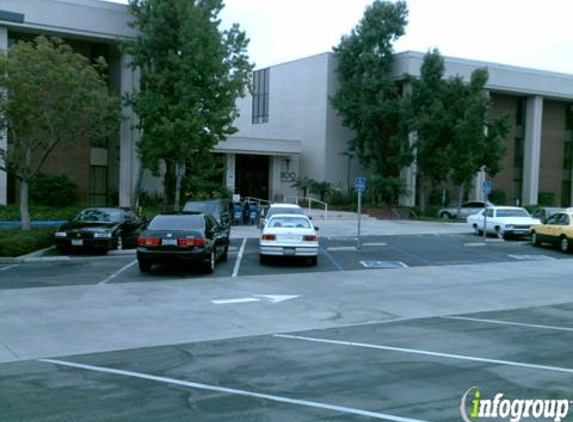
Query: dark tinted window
{"points": [[512, 213], [273, 211], [553, 219], [99, 215], [213, 208], [177, 222]]}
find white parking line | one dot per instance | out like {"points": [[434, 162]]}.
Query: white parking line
{"points": [[239, 258], [427, 353], [8, 267], [511, 323], [118, 272], [245, 393]]}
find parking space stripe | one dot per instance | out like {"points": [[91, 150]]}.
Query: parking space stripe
{"points": [[245, 393], [239, 258], [331, 259], [118, 272], [427, 353], [8, 267], [510, 323]]}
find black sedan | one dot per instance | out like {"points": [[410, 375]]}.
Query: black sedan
{"points": [[99, 229], [186, 237]]}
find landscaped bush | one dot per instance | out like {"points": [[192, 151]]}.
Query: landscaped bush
{"points": [[54, 191], [497, 197], [16, 242], [545, 199], [39, 213]]}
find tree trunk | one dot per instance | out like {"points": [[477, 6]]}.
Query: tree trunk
{"points": [[24, 210], [168, 185], [179, 173], [460, 198], [421, 195], [134, 200]]}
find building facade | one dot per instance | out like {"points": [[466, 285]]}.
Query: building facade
{"points": [[287, 127]]}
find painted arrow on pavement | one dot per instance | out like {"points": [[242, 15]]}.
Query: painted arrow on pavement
{"points": [[255, 298]]}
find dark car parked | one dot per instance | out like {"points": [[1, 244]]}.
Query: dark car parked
{"points": [[221, 209], [101, 229], [193, 237]]}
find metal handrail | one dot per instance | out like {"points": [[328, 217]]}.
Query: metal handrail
{"points": [[310, 200], [399, 213], [257, 200]]}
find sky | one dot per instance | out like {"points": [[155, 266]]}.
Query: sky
{"points": [[528, 33]]}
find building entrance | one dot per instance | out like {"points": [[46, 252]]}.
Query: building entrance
{"points": [[252, 175]]}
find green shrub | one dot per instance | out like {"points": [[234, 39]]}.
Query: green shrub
{"points": [[54, 191], [39, 212], [16, 242], [497, 197], [545, 199]]}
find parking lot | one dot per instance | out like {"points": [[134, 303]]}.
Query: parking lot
{"points": [[337, 253], [414, 370], [398, 330]]}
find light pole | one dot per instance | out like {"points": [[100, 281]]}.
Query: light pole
{"points": [[350, 153]]}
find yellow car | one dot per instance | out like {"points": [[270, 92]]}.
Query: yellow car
{"points": [[558, 230]]}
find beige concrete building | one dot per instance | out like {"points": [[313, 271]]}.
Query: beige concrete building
{"points": [[287, 127]]}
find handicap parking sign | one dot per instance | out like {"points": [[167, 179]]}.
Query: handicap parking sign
{"points": [[486, 187], [360, 184]]}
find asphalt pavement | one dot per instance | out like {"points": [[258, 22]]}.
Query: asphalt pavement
{"points": [[399, 329]]}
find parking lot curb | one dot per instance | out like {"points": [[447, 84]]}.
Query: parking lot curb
{"points": [[25, 258]]}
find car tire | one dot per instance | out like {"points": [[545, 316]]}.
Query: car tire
{"points": [[64, 250], [263, 260], [477, 230], [565, 244], [144, 265], [225, 255], [210, 266], [534, 239], [446, 215], [313, 261], [499, 233]]}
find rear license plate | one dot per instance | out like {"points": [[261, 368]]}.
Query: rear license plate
{"points": [[288, 251], [77, 242], [169, 242]]}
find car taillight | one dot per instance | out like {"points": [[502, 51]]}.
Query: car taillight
{"points": [[310, 238], [268, 237], [186, 242], [148, 241]]}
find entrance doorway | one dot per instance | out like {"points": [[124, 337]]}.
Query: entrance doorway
{"points": [[252, 175]]}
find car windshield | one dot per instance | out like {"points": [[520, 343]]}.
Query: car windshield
{"points": [[273, 211], [289, 222], [512, 213], [204, 207], [177, 222], [99, 215]]}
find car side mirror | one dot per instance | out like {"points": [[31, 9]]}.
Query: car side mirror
{"points": [[316, 228]]}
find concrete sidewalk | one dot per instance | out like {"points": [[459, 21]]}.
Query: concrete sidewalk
{"points": [[348, 226], [58, 321]]}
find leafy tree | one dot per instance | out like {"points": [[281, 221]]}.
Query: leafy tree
{"points": [[478, 141], [304, 184], [322, 189], [191, 75], [428, 118], [456, 137], [50, 97], [368, 98]]}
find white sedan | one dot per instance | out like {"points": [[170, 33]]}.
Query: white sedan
{"points": [[289, 235], [503, 221]]}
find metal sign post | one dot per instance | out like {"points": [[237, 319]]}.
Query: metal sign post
{"points": [[486, 188], [360, 188]]}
